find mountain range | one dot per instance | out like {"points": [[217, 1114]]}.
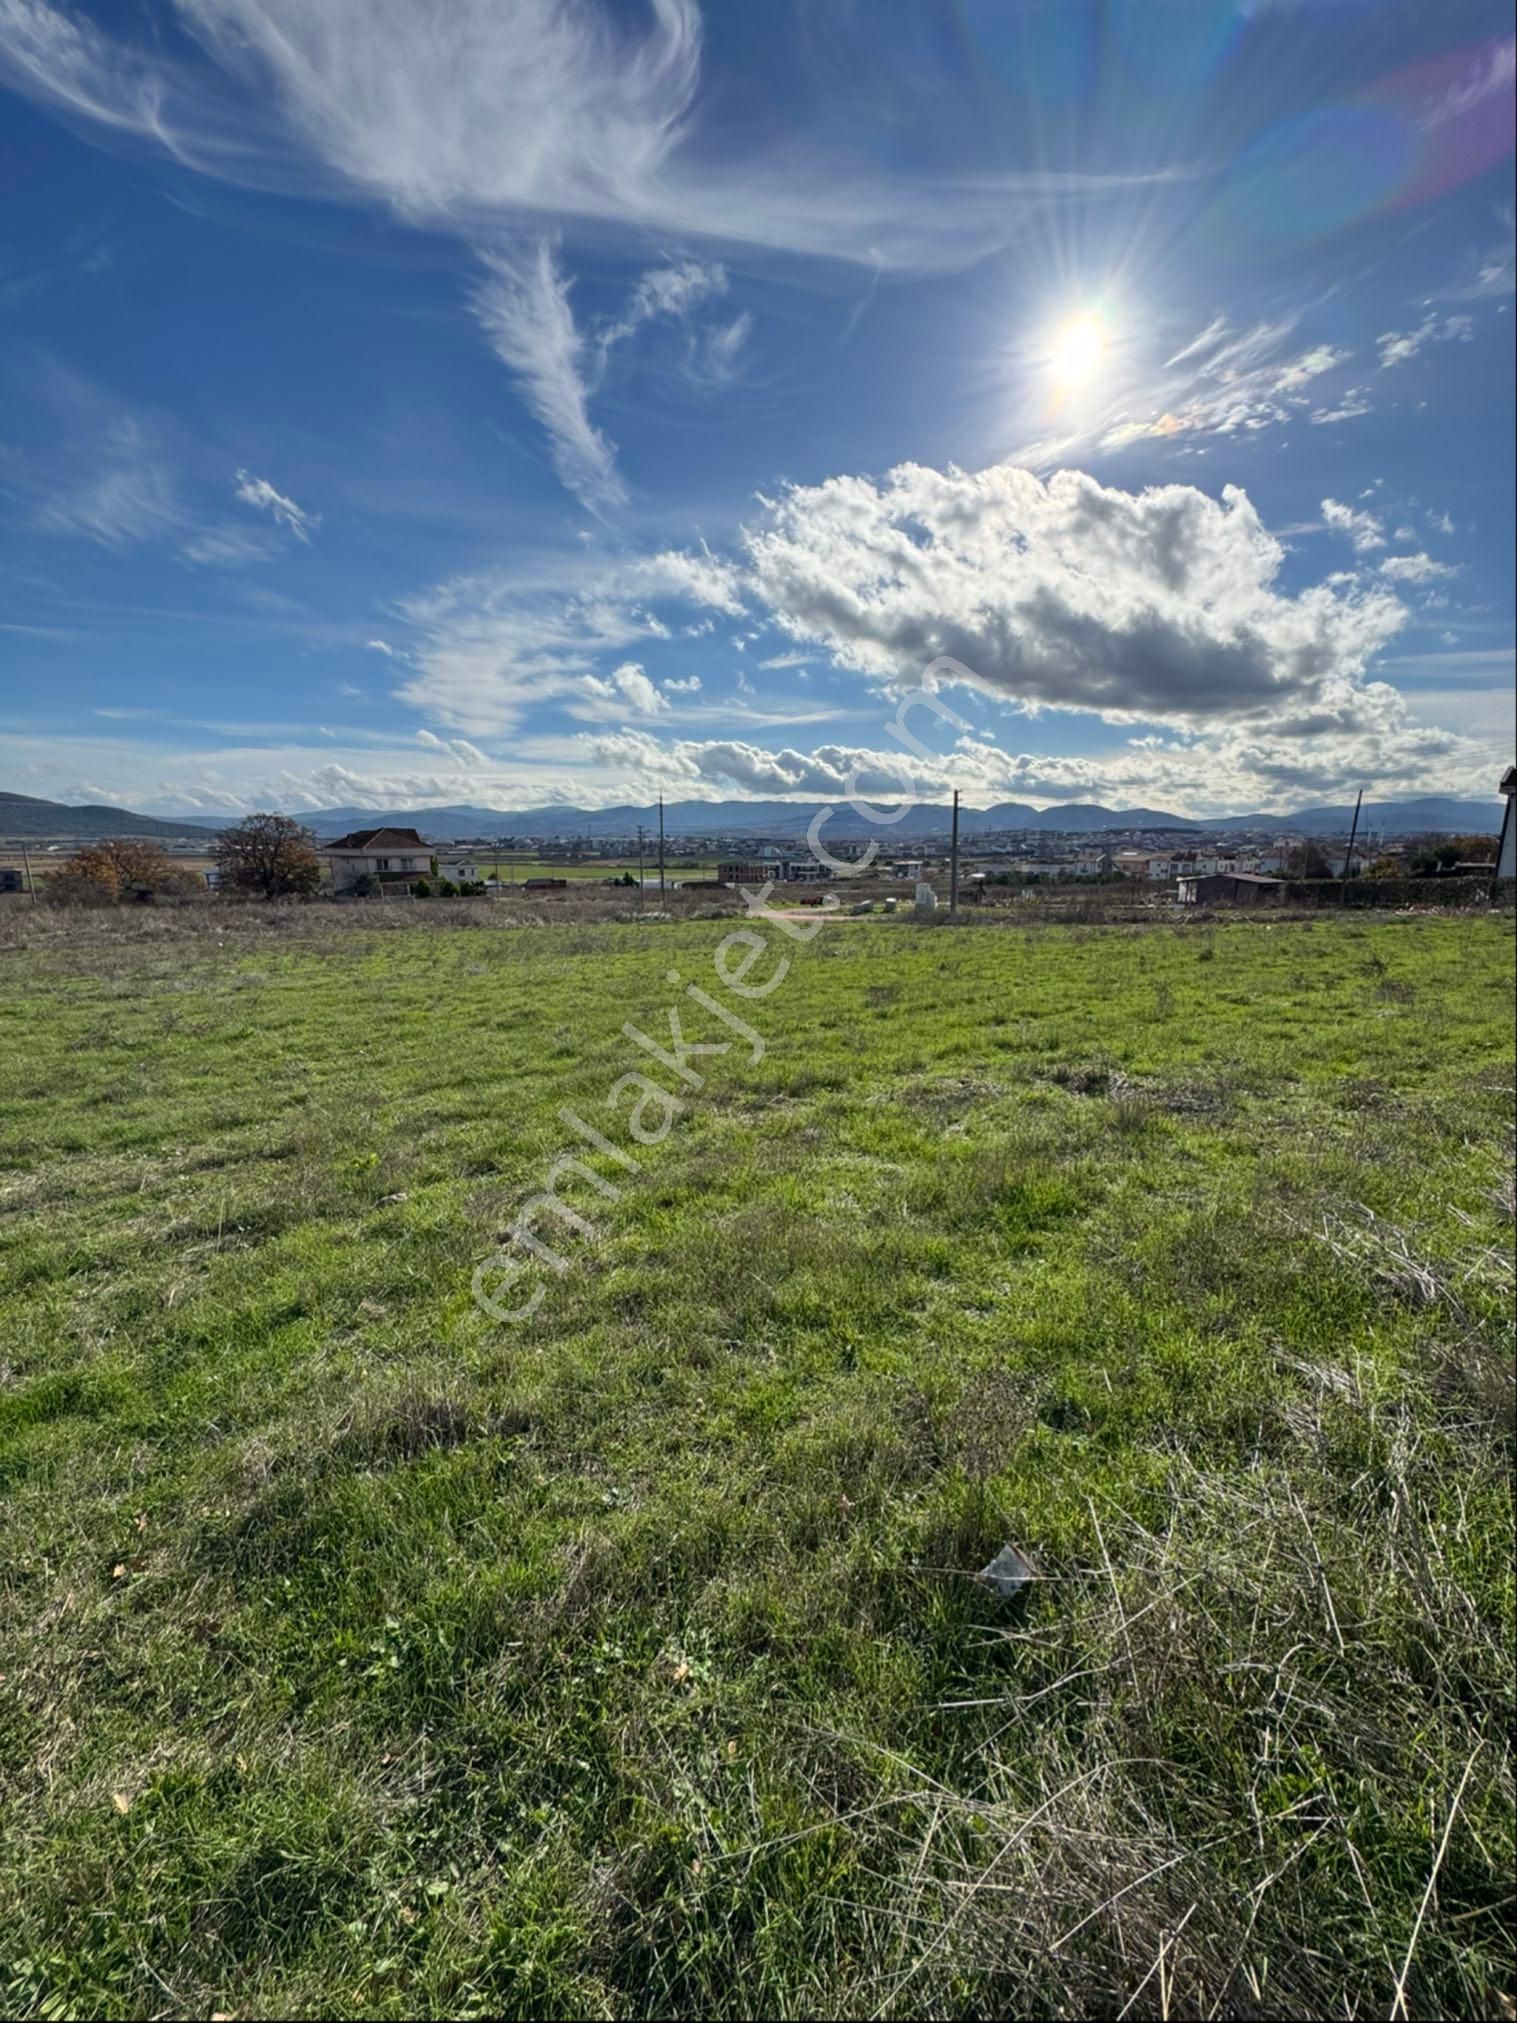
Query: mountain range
{"points": [[21, 815], [24, 817], [778, 819], [781, 819]]}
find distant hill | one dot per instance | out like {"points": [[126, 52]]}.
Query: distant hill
{"points": [[21, 815], [733, 818], [782, 819], [1427, 814], [1078, 815]]}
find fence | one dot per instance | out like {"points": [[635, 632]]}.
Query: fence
{"points": [[1389, 892]]}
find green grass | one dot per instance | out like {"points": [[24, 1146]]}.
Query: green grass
{"points": [[516, 869], [362, 1657]]}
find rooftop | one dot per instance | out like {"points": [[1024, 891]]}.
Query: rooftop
{"points": [[377, 839]]}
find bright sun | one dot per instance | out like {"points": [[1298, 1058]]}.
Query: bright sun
{"points": [[1076, 349]]}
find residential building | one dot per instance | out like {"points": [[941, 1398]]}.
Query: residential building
{"points": [[1051, 867], [393, 856], [1152, 865], [781, 871]]}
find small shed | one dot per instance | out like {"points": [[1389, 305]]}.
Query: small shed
{"points": [[1231, 888]]}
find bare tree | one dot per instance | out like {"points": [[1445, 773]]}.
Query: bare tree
{"points": [[1308, 860], [269, 855], [120, 868]]}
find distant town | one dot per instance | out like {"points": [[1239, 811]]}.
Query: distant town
{"points": [[453, 851]]}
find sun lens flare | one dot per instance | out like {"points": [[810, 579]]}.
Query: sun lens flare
{"points": [[1077, 349]]}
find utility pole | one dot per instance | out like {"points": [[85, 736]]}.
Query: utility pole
{"points": [[639, 867], [953, 861], [31, 883], [1348, 862], [661, 848]]}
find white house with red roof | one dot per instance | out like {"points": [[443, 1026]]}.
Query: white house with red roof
{"points": [[393, 856]]}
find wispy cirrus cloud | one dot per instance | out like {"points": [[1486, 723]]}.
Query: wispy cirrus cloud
{"points": [[484, 648], [67, 62], [467, 754], [1223, 382], [476, 117], [1490, 73], [1349, 406], [525, 309], [672, 291], [115, 490], [261, 495], [711, 351], [714, 355], [1490, 272], [513, 129], [1239, 381], [223, 546]]}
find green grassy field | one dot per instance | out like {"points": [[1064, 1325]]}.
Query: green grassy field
{"points": [[364, 1657], [515, 869]]}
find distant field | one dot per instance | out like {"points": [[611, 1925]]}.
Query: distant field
{"points": [[515, 869], [510, 869], [365, 1658], [42, 863]]}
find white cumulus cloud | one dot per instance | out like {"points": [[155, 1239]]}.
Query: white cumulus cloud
{"points": [[1363, 529], [627, 688], [1415, 568], [1065, 593], [1397, 346]]}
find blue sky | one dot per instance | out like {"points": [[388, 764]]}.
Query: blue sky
{"points": [[535, 401]]}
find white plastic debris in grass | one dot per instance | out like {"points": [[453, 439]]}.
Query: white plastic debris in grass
{"points": [[1008, 1573]]}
